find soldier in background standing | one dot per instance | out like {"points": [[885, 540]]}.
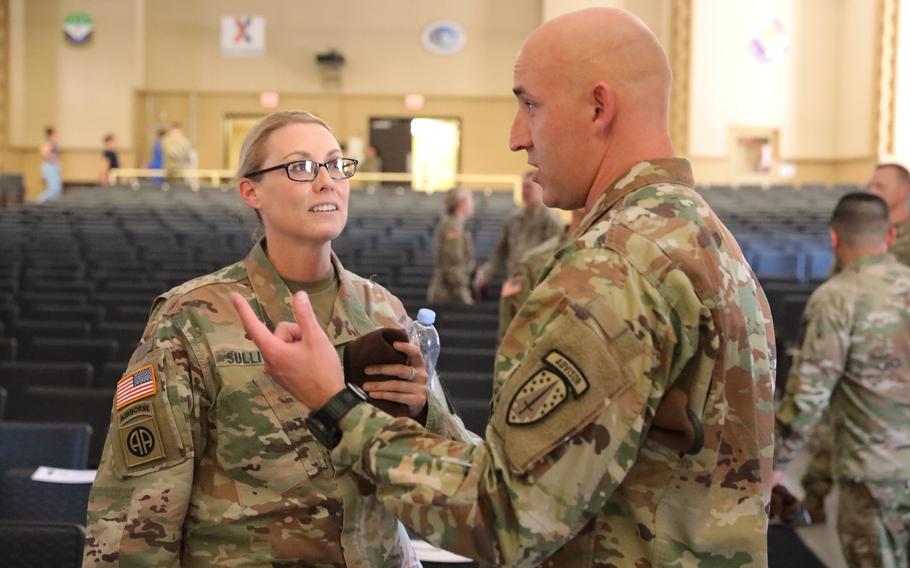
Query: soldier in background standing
{"points": [[517, 287], [854, 361], [531, 225], [453, 251], [891, 182], [177, 151]]}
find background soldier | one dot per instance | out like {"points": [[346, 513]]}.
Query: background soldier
{"points": [[855, 357], [531, 225], [453, 251]]}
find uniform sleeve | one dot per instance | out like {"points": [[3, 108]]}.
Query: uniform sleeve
{"points": [[497, 261], [814, 373], [451, 257], [142, 489], [567, 425]]}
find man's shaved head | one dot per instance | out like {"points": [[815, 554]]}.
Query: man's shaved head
{"points": [[593, 89]]}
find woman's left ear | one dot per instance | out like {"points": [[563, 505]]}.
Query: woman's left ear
{"points": [[249, 193]]}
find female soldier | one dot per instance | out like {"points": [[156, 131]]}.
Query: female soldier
{"points": [[453, 251], [208, 461]]}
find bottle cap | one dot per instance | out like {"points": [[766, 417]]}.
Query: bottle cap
{"points": [[426, 316]]}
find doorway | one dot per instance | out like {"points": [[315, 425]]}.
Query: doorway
{"points": [[236, 128], [428, 148]]}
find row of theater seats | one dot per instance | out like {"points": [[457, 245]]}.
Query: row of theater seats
{"points": [[77, 279]]}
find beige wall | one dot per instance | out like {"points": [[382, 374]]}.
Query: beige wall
{"points": [[902, 98], [153, 62], [485, 122]]}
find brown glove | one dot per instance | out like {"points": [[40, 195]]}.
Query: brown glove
{"points": [[375, 348]]}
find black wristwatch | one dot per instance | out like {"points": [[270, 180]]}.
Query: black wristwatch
{"points": [[323, 423]]}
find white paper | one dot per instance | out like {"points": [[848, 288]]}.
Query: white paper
{"points": [[426, 552], [58, 475]]}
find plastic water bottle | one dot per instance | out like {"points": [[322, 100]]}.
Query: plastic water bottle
{"points": [[424, 335]]}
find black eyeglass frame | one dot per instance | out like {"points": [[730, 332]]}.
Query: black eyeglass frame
{"points": [[287, 169]]}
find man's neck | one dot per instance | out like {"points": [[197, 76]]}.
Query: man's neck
{"points": [[612, 169], [847, 255]]}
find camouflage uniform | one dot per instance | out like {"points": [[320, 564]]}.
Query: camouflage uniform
{"points": [[518, 286], [818, 481], [525, 228], [215, 467], [453, 261], [855, 356], [650, 298]]}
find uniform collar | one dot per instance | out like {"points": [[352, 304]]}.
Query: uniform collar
{"points": [[664, 170], [870, 260], [275, 299]]}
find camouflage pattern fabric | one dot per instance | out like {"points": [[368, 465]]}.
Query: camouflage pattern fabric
{"points": [[818, 480], [453, 261], [873, 523], [650, 293], [216, 467], [517, 287], [854, 366], [901, 246], [525, 228], [855, 357]]}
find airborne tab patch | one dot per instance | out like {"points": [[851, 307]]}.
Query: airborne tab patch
{"points": [[539, 396], [565, 367], [137, 385]]}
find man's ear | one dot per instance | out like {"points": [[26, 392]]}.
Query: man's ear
{"points": [[890, 236], [249, 193], [604, 106], [835, 239]]}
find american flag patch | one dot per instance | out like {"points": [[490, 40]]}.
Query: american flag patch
{"points": [[136, 386]]}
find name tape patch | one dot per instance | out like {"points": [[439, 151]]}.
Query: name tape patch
{"points": [[244, 358]]}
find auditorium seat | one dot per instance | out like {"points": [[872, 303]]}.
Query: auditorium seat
{"points": [[35, 544], [93, 315], [59, 404], [126, 333], [3, 397], [16, 376], [461, 359], [8, 348], [23, 499], [25, 330], [96, 352], [474, 413], [54, 444]]}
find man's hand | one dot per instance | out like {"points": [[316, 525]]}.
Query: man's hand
{"points": [[302, 360], [412, 391], [481, 281]]}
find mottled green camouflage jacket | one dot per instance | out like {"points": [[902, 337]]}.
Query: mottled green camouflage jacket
{"points": [[901, 247], [855, 357], [518, 286], [212, 464], [524, 229], [651, 292], [453, 261]]}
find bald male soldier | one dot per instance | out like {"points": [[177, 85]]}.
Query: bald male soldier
{"points": [[854, 364], [632, 405]]}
